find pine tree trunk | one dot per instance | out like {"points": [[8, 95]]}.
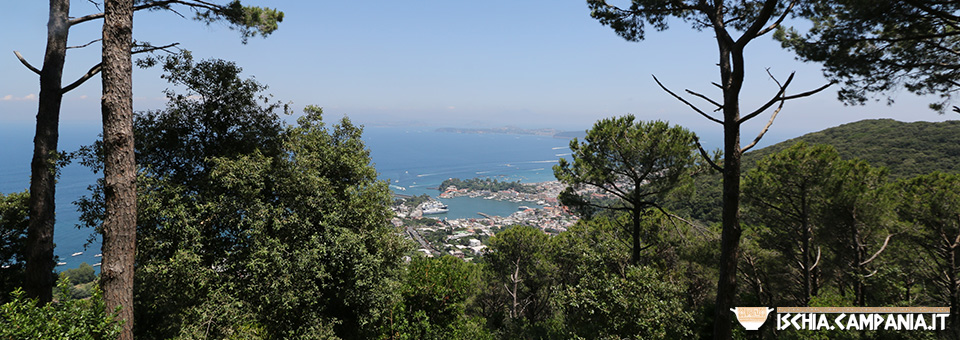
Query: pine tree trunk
{"points": [[732, 80], [120, 210], [635, 255], [39, 258]]}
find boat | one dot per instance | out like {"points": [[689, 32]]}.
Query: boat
{"points": [[98, 255], [61, 263], [434, 208], [522, 208], [77, 253], [96, 264]]}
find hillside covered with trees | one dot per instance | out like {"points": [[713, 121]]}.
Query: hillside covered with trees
{"points": [[906, 149]]}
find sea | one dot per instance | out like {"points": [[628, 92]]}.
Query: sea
{"points": [[414, 160]]}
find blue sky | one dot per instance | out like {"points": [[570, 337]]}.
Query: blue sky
{"points": [[534, 63]]}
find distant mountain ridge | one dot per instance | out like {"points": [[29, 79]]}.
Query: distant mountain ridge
{"points": [[512, 130], [907, 149]]}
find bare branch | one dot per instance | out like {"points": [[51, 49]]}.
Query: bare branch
{"points": [[674, 216], [149, 48], [885, 242], [809, 93], [706, 156], [719, 106], [84, 45], [957, 241], [779, 20], [765, 128], [774, 78], [686, 102], [96, 68], [779, 96], [95, 4], [762, 16], [149, 5], [25, 63], [90, 73], [85, 18], [815, 263]]}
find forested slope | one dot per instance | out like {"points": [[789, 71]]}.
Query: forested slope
{"points": [[906, 149]]}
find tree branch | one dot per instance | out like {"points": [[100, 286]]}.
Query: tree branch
{"points": [[765, 128], [686, 102], [809, 93], [92, 72], [25, 63], [764, 14], [149, 5], [84, 45], [707, 156], [149, 48], [719, 106], [817, 262], [96, 68], [764, 107], [885, 242], [779, 20]]}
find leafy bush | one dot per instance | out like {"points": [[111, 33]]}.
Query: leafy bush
{"points": [[13, 237], [68, 318]]}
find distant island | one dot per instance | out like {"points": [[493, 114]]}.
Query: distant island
{"points": [[512, 130]]}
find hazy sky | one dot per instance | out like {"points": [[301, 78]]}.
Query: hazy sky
{"points": [[533, 63]]}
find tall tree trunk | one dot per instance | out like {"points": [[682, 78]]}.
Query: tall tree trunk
{"points": [[806, 251], [953, 288], [635, 256], [859, 269], [732, 81], [39, 270], [119, 173]]}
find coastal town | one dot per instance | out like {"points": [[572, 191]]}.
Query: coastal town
{"points": [[422, 220]]}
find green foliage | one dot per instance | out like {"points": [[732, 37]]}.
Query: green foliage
{"points": [[434, 299], [83, 274], [931, 204], [13, 237], [906, 149], [68, 318], [488, 184], [250, 21], [879, 47], [620, 154], [414, 201], [250, 229], [600, 295], [637, 163], [814, 210], [637, 304], [81, 280], [519, 279], [218, 114]]}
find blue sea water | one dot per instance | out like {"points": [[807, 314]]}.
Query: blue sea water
{"points": [[416, 159], [16, 150]]}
